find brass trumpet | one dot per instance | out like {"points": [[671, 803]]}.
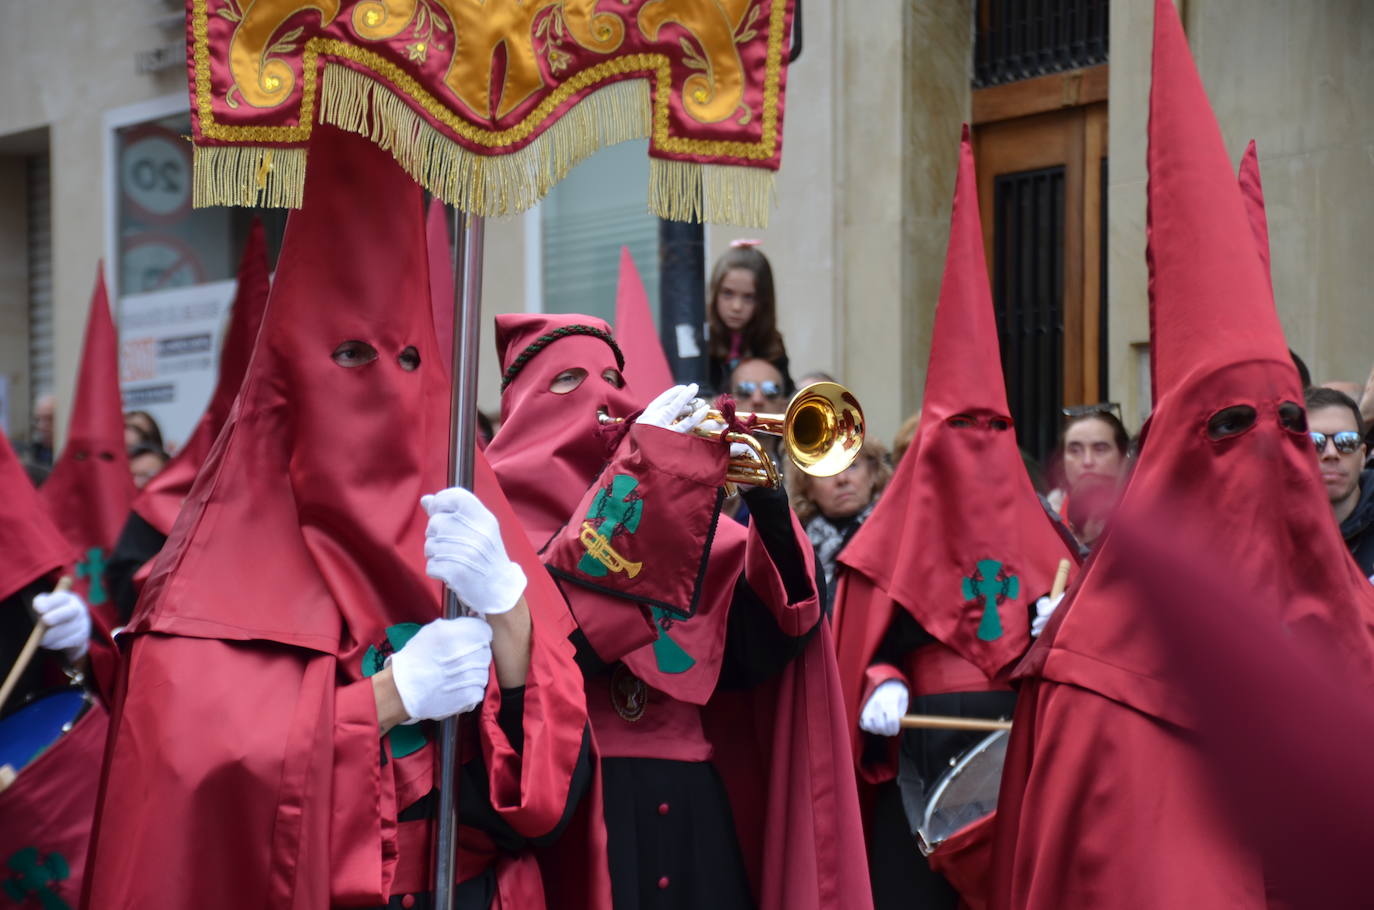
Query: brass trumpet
{"points": [[822, 431]]}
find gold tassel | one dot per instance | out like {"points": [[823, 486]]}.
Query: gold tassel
{"points": [[248, 175], [722, 194], [483, 184]]}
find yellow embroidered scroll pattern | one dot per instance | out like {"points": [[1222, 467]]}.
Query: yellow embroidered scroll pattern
{"points": [[261, 79], [717, 91]]}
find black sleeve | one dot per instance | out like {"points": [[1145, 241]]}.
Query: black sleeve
{"points": [[904, 635], [16, 624], [772, 518], [138, 542], [474, 789]]}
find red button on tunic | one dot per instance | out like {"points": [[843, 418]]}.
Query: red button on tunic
{"points": [[662, 808], [408, 901], [663, 882]]}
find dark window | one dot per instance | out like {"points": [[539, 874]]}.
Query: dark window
{"points": [[1022, 39], [1028, 292]]}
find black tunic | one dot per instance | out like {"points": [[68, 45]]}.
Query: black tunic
{"points": [[138, 542]]}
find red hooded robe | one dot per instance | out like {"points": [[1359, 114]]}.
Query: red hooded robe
{"points": [[800, 830], [1107, 801], [244, 765], [646, 367]]}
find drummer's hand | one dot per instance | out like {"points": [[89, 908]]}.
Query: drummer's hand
{"points": [[464, 550], [882, 716], [677, 409], [68, 621], [443, 670], [1044, 609]]}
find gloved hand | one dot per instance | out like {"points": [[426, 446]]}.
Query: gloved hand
{"points": [[677, 409], [463, 549], [882, 715], [737, 449], [443, 669], [68, 620], [1044, 609]]}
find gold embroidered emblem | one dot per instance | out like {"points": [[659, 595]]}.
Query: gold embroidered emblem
{"points": [[629, 694]]}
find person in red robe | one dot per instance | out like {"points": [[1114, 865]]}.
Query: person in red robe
{"points": [[1109, 798], [935, 594], [155, 509], [709, 671], [265, 750]]}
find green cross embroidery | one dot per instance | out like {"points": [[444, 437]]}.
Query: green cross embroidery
{"points": [[93, 567], [404, 738], [32, 878], [617, 512], [992, 584], [668, 654]]}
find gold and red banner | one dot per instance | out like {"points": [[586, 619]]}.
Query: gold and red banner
{"points": [[489, 103]]}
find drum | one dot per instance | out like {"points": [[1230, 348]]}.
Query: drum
{"points": [[964, 794], [30, 731]]}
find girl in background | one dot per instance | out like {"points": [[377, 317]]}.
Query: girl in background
{"points": [[742, 316]]}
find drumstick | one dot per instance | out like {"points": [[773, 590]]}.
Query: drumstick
{"points": [[1061, 579], [940, 722], [30, 646]]}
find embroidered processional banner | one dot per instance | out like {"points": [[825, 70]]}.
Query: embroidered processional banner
{"points": [[489, 103]]}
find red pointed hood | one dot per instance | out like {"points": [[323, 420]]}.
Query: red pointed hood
{"points": [[90, 490], [441, 279], [32, 545], [159, 502], [1226, 456], [1252, 192], [304, 526], [646, 366], [550, 446], [961, 512]]}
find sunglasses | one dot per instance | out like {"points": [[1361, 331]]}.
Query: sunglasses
{"points": [[1102, 407], [769, 388], [1346, 441]]}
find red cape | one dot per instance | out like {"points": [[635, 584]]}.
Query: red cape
{"points": [[289, 575], [646, 366], [1106, 797], [159, 502], [33, 546]]}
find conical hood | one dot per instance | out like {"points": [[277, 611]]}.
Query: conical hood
{"points": [[90, 490], [1252, 192], [1204, 273], [959, 538], [32, 545], [646, 366], [441, 279], [159, 502], [304, 526], [1226, 465], [550, 446]]}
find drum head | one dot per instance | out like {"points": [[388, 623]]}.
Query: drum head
{"points": [[26, 733], [966, 792]]}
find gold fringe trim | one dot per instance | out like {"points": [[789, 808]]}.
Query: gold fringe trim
{"points": [[248, 175], [499, 184], [719, 193]]}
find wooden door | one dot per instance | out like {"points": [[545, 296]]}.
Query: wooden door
{"points": [[1041, 173]]}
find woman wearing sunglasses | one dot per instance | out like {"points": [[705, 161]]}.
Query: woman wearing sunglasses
{"points": [[1337, 430]]}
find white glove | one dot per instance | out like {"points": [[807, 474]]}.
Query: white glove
{"points": [[882, 715], [737, 449], [68, 620], [463, 549], [677, 409], [1044, 609], [443, 670]]}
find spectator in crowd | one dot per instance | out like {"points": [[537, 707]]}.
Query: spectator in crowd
{"points": [[44, 419], [1090, 462], [141, 429], [145, 461], [832, 508], [1338, 431], [758, 387], [742, 316]]}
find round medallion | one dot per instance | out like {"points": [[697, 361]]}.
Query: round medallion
{"points": [[629, 695]]}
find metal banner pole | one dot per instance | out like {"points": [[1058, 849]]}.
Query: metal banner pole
{"points": [[467, 292]]}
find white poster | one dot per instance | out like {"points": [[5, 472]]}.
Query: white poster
{"points": [[169, 345]]}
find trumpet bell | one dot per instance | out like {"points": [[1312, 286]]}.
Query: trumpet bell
{"points": [[823, 429]]}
